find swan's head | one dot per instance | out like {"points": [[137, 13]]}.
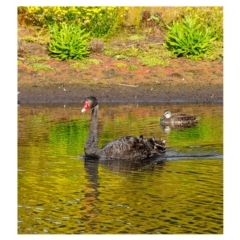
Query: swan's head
{"points": [[89, 102]]}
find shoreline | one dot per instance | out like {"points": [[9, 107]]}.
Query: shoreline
{"points": [[121, 93]]}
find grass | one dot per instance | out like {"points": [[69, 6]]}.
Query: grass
{"points": [[77, 64], [37, 63], [151, 61], [132, 51], [36, 34], [134, 18], [132, 67], [122, 57], [37, 59], [85, 63], [216, 53], [121, 53], [149, 54], [41, 66], [28, 39], [120, 64], [136, 37], [121, 47], [92, 61], [38, 39]]}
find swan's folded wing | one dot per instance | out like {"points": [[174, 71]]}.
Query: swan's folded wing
{"points": [[129, 148]]}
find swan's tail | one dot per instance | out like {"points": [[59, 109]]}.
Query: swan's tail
{"points": [[156, 147]]}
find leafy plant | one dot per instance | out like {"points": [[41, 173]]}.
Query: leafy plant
{"points": [[189, 37], [68, 41]]}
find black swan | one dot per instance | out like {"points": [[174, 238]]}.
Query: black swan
{"points": [[125, 148], [177, 119]]}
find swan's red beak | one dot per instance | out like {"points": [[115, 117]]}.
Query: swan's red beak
{"points": [[85, 107]]}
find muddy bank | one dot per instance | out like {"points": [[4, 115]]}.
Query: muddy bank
{"points": [[42, 79], [121, 93]]}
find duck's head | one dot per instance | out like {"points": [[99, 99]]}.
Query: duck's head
{"points": [[167, 114], [89, 102]]}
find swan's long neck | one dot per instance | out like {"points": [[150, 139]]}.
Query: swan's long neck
{"points": [[91, 146]]}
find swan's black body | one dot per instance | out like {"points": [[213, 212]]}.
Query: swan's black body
{"points": [[125, 148]]}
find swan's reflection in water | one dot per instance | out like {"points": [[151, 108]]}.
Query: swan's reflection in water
{"points": [[91, 165], [92, 192]]}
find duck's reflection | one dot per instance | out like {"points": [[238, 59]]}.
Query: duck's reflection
{"points": [[168, 128]]}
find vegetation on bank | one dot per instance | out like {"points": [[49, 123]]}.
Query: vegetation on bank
{"points": [[75, 32]]}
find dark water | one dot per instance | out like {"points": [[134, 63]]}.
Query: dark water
{"points": [[60, 192]]}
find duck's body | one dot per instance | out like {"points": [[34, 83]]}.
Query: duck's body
{"points": [[127, 147], [177, 119]]}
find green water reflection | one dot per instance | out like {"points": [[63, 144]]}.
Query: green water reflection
{"points": [[60, 193]]}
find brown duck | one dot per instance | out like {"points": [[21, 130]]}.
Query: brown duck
{"points": [[177, 119]]}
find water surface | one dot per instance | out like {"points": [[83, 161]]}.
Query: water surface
{"points": [[61, 192]]}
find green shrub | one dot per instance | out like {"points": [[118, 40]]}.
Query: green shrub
{"points": [[188, 37], [68, 41]]}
